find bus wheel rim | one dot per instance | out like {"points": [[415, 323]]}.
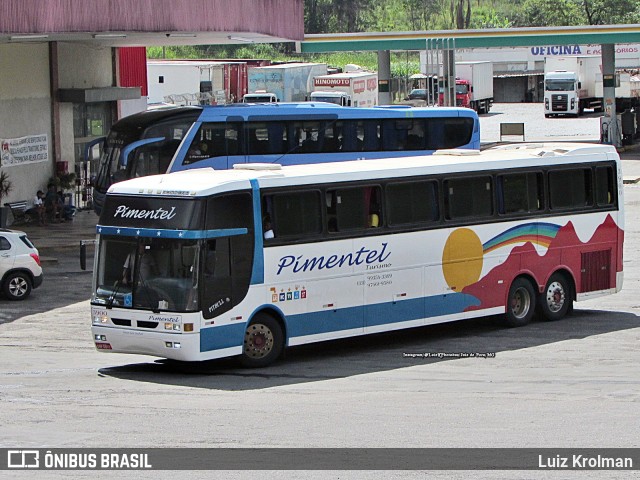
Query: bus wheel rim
{"points": [[258, 341], [520, 303], [555, 296]]}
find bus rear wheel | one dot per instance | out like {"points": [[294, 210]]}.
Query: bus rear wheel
{"points": [[263, 342], [521, 303], [556, 299]]}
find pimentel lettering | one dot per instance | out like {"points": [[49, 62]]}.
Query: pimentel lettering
{"points": [[158, 214], [307, 264]]}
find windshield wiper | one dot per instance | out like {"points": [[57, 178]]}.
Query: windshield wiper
{"points": [[112, 297]]}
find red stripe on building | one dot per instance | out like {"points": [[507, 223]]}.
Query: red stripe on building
{"points": [[132, 68]]}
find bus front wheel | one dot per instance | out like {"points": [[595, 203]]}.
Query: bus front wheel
{"points": [[556, 299], [263, 342], [521, 303]]}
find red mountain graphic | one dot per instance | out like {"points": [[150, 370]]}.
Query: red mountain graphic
{"points": [[564, 252]]}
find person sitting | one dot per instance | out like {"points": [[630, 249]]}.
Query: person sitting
{"points": [[67, 211], [268, 230], [52, 203], [147, 266], [38, 211]]}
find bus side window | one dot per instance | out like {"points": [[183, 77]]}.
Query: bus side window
{"points": [[519, 192], [605, 190], [295, 214], [468, 197], [355, 208]]}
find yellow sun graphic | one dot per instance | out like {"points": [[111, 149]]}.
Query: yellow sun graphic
{"points": [[462, 259]]}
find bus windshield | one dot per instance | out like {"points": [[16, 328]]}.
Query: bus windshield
{"points": [[169, 125], [149, 274]]}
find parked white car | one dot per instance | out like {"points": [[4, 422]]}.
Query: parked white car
{"points": [[20, 269]]}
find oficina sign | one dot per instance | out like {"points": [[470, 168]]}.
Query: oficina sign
{"points": [[556, 50]]}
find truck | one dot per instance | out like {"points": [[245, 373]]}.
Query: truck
{"points": [[260, 96], [627, 90], [474, 86], [349, 89], [570, 85], [195, 82], [289, 82]]}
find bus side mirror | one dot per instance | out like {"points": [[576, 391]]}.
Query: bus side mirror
{"points": [[83, 252]]}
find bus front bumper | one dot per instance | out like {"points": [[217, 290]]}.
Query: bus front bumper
{"points": [[185, 347]]}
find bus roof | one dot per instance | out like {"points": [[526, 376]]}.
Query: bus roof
{"points": [[299, 109], [206, 181], [143, 119]]}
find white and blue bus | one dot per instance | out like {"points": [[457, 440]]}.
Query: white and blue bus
{"points": [[250, 260], [220, 136], [295, 133]]}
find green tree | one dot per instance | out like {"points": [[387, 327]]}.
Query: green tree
{"points": [[544, 13], [610, 12]]}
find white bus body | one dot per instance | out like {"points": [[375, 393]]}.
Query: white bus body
{"points": [[456, 235]]}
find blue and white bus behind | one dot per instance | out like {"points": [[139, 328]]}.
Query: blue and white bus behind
{"points": [[300, 133]]}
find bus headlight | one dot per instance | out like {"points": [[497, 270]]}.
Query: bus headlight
{"points": [[172, 326], [98, 319]]}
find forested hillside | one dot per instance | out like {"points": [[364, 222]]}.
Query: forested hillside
{"points": [[340, 16], [329, 16]]}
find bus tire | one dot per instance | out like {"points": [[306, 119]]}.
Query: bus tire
{"points": [[263, 342], [557, 298], [521, 303]]}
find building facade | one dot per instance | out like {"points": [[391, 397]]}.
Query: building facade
{"points": [[60, 85]]}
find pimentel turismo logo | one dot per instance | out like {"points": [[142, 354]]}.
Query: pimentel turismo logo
{"points": [[301, 263]]}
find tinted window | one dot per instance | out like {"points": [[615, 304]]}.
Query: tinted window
{"points": [[214, 140], [448, 132], [570, 188], [605, 190], [356, 208], [361, 135], [520, 192], [265, 138], [230, 211], [468, 197], [411, 202], [4, 244], [294, 214]]}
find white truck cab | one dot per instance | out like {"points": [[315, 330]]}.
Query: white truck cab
{"points": [[260, 97], [339, 98]]}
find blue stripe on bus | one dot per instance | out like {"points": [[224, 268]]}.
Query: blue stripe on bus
{"points": [[257, 274], [225, 336], [378, 314], [328, 321], [165, 233]]}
